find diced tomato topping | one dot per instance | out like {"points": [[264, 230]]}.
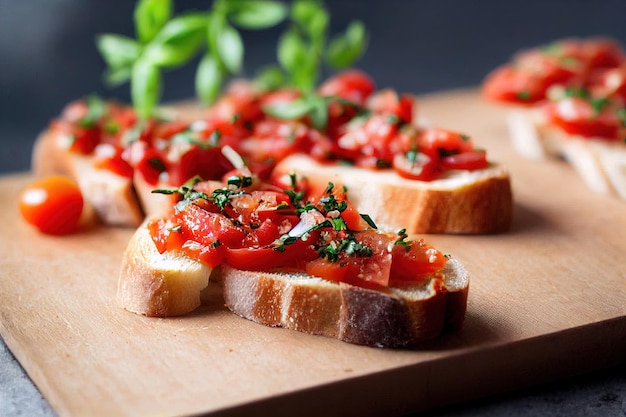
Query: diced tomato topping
{"points": [[579, 116], [151, 165], [350, 85], [208, 163], [470, 161], [261, 230], [439, 143], [419, 259], [110, 157], [416, 166]]}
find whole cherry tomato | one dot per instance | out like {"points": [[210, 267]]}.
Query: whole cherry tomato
{"points": [[53, 205]]}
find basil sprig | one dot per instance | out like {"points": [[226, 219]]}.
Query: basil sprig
{"points": [[304, 46], [165, 41], [302, 50]]}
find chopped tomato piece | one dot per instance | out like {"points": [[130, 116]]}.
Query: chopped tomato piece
{"points": [[351, 85], [414, 261], [470, 161], [110, 157], [416, 166], [438, 143], [584, 117]]}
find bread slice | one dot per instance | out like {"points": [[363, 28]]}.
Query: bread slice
{"points": [[601, 164], [111, 196], [463, 202], [159, 285], [395, 317], [171, 284]]}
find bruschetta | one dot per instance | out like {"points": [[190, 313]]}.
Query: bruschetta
{"points": [[293, 259], [568, 100], [439, 176]]}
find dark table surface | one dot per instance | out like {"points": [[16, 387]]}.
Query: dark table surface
{"points": [[48, 58]]}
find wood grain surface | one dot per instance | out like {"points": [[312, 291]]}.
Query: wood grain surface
{"points": [[547, 300]]}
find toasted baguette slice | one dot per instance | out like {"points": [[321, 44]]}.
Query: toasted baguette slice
{"points": [[171, 284], [601, 164], [393, 318], [159, 285], [112, 196], [460, 202]]}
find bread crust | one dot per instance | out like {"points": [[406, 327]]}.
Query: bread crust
{"points": [[111, 196], [381, 318], [170, 284], [159, 285], [462, 202], [601, 164]]}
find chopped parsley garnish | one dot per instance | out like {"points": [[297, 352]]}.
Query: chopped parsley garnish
{"points": [[348, 246], [96, 108], [443, 152], [599, 104], [221, 197], [569, 61], [402, 236], [186, 191], [383, 163], [283, 241], [523, 95], [393, 119], [239, 182], [330, 203], [111, 127], [576, 92], [369, 221], [621, 113], [295, 197], [157, 164]]}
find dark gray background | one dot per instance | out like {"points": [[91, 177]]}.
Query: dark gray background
{"points": [[48, 57]]}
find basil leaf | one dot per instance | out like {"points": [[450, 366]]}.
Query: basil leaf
{"points": [[319, 112], [346, 48], [96, 108], [118, 51], [304, 11], [317, 26], [150, 17], [209, 78], [289, 110], [216, 23], [269, 78], [291, 51], [258, 14], [305, 76], [230, 49], [116, 77], [145, 87], [178, 41]]}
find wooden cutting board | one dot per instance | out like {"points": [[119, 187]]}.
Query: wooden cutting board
{"points": [[547, 300]]}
